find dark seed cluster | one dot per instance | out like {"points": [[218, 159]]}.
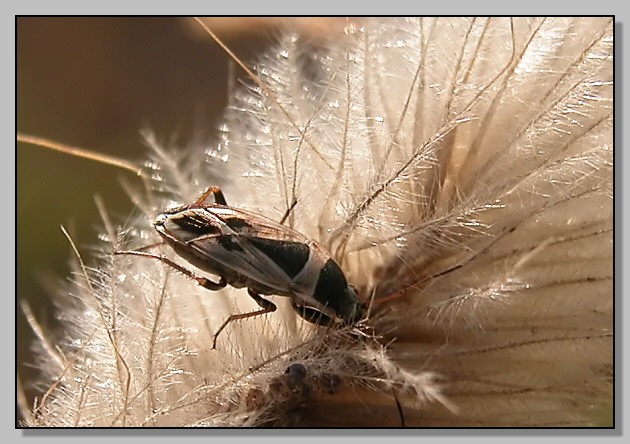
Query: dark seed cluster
{"points": [[285, 394]]}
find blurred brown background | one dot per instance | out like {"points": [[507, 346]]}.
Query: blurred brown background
{"points": [[94, 83]]}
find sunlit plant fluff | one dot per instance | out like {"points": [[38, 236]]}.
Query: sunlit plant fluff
{"points": [[460, 172]]}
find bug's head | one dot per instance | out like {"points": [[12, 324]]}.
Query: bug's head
{"points": [[184, 224], [163, 223], [165, 214], [164, 218]]}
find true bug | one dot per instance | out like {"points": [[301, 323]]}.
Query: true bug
{"points": [[249, 250]]}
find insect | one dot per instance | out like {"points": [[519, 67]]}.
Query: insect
{"points": [[249, 250]]}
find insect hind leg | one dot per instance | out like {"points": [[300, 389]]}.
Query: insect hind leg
{"points": [[267, 307], [313, 316]]}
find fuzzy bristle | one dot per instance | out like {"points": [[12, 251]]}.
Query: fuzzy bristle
{"points": [[460, 172]]}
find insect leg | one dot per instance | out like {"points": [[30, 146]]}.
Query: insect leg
{"points": [[267, 307], [286, 213], [218, 197], [313, 316], [206, 283]]}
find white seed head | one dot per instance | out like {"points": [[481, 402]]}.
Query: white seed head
{"points": [[461, 164]]}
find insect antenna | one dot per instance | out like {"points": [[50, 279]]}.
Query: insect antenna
{"points": [[204, 282], [148, 247]]}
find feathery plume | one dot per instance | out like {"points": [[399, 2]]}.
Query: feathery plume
{"points": [[460, 172]]}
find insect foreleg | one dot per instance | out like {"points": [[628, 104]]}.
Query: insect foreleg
{"points": [[267, 307], [206, 283], [218, 197]]}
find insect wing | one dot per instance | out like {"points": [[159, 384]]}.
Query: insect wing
{"points": [[253, 246]]}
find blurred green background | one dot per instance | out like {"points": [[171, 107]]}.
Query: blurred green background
{"points": [[94, 83]]}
